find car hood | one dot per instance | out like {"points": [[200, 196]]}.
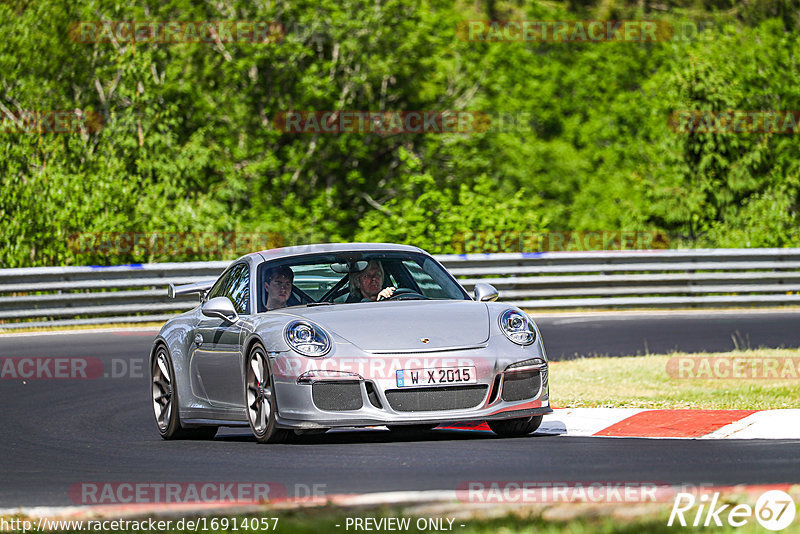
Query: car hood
{"points": [[402, 325]]}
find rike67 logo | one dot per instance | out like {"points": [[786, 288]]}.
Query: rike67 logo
{"points": [[774, 510]]}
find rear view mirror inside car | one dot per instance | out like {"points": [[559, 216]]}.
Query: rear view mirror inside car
{"points": [[349, 267]]}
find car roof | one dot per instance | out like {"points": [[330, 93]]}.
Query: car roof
{"points": [[302, 250]]}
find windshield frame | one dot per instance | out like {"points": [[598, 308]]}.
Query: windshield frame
{"points": [[302, 298]]}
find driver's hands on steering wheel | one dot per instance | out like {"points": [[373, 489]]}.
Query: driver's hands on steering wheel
{"points": [[385, 293]]}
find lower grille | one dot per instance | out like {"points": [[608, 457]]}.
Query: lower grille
{"points": [[519, 386], [337, 396], [436, 398]]}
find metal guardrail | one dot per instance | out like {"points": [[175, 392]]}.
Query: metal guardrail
{"points": [[646, 279], [535, 281], [53, 296]]}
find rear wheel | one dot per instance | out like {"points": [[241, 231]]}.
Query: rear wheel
{"points": [[260, 398], [165, 401], [515, 427]]}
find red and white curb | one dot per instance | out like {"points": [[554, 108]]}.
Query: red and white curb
{"points": [[644, 423], [706, 424]]}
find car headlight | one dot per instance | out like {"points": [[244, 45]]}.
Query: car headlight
{"points": [[308, 339], [517, 327]]}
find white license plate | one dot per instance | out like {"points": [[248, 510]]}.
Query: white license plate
{"points": [[407, 378]]}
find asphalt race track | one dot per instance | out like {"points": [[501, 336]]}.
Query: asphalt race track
{"points": [[57, 434], [638, 334]]}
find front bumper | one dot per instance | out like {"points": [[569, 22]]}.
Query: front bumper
{"points": [[371, 399]]}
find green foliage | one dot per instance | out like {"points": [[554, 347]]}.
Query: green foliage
{"points": [[728, 189], [451, 220], [189, 142]]}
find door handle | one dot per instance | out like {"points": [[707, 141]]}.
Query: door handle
{"points": [[198, 339]]}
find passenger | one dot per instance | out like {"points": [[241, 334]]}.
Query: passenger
{"points": [[278, 283], [367, 285]]}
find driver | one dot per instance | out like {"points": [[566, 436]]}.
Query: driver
{"points": [[278, 283], [366, 285]]}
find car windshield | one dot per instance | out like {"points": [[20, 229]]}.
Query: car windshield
{"points": [[329, 278]]}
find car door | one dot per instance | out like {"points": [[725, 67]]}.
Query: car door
{"points": [[216, 360]]}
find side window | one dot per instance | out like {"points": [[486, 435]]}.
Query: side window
{"points": [[239, 289], [220, 289], [235, 284], [428, 286]]}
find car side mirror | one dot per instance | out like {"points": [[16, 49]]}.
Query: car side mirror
{"points": [[485, 292], [222, 308]]}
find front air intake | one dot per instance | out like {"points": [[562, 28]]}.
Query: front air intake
{"points": [[520, 386], [436, 398], [337, 396]]}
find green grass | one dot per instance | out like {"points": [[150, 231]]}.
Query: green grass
{"points": [[644, 382]]}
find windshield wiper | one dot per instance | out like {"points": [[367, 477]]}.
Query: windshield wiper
{"points": [[320, 303]]}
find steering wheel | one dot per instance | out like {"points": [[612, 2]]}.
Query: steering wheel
{"points": [[404, 293]]}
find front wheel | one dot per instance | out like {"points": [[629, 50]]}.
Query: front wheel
{"points": [[260, 398], [515, 427], [165, 401]]}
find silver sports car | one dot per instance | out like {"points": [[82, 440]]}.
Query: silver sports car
{"points": [[304, 339]]}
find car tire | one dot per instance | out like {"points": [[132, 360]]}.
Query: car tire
{"points": [[259, 396], [165, 401], [515, 427]]}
